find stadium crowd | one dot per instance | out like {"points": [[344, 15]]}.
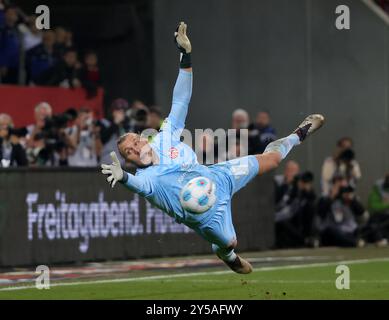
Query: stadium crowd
{"points": [[29, 56], [337, 217], [74, 138]]}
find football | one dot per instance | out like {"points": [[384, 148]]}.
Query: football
{"points": [[198, 195]]}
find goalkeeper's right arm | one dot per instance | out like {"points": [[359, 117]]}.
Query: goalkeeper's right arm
{"points": [[116, 173]]}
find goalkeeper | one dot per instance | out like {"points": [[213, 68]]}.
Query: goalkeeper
{"points": [[166, 164]]}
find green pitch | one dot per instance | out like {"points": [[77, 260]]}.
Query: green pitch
{"points": [[369, 279]]}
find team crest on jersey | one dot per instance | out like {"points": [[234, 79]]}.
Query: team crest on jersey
{"points": [[173, 153]]}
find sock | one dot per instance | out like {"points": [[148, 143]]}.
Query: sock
{"points": [[283, 145], [224, 254]]}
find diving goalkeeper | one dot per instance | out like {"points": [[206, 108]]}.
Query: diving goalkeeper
{"points": [[165, 165]]}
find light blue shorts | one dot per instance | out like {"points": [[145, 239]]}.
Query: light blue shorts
{"points": [[231, 176]]}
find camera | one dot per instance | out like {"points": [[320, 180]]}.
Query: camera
{"points": [[347, 155], [138, 118]]}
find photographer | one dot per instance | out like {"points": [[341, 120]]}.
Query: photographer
{"points": [[42, 111], [341, 163], [48, 145], [84, 141], [11, 152], [295, 213], [338, 213], [138, 115], [154, 118], [112, 128]]}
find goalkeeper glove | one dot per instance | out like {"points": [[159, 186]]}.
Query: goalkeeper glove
{"points": [[183, 44], [114, 171]]}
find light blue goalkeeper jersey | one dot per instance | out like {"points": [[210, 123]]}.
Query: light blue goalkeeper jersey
{"points": [[161, 184]]}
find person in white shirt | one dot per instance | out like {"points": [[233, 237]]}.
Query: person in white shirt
{"points": [[342, 163]]}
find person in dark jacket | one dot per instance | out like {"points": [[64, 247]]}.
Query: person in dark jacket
{"points": [[64, 74], [10, 46], [261, 133], [42, 57], [295, 213], [90, 74], [338, 215]]}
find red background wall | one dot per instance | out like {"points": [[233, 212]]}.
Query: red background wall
{"points": [[19, 102]]}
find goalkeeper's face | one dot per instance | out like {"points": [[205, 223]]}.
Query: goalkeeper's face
{"points": [[135, 149]]}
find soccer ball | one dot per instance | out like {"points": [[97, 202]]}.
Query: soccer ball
{"points": [[198, 195]]}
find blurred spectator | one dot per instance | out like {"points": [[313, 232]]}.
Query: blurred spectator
{"points": [[154, 118], [341, 163], [64, 74], [10, 45], [64, 39], [84, 141], [31, 35], [295, 213], [261, 133], [11, 151], [284, 182], [42, 111], [112, 128], [47, 139], [42, 57], [377, 229], [338, 213], [90, 74], [240, 119], [137, 115]]}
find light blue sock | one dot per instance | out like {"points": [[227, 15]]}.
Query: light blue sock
{"points": [[283, 145], [224, 254]]}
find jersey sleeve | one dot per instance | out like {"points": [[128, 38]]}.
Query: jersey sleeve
{"points": [[141, 185], [181, 97]]}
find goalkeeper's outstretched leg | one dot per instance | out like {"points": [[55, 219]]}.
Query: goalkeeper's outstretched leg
{"points": [[222, 234], [276, 151]]}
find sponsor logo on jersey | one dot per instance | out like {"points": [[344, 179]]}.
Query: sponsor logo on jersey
{"points": [[173, 153]]}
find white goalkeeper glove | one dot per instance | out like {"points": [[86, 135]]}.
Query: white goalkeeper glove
{"points": [[182, 39], [183, 44], [114, 171]]}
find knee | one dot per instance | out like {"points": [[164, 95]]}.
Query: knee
{"points": [[269, 160], [275, 159]]}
